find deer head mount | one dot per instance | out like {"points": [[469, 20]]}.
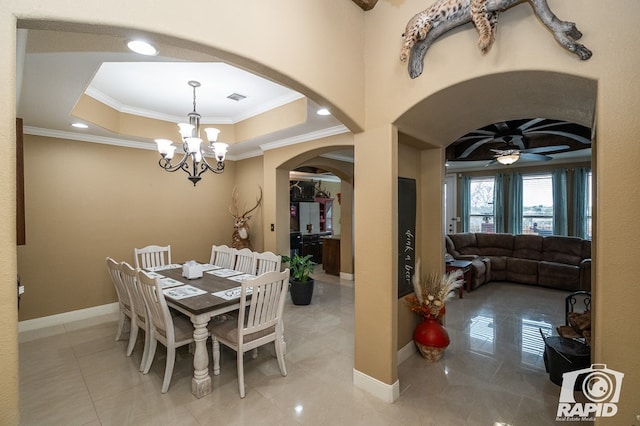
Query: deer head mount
{"points": [[241, 238]]}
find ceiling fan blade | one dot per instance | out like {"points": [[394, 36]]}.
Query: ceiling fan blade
{"points": [[474, 146], [573, 136], [535, 157], [490, 163], [518, 140], [529, 123], [543, 149], [552, 124]]}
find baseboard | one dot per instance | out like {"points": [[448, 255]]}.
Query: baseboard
{"points": [[383, 391], [346, 276], [81, 314], [406, 352]]}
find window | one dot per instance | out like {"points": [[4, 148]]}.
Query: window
{"points": [[481, 213], [537, 204]]}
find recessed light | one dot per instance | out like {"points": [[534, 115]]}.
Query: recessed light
{"points": [[79, 125], [324, 111], [142, 47]]}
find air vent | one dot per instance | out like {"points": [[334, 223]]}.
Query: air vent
{"points": [[236, 96]]}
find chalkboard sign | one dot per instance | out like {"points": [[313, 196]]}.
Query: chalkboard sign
{"points": [[406, 234]]}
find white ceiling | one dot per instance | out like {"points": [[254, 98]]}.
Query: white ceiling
{"points": [[55, 69]]}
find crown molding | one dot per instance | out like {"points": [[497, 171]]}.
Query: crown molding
{"points": [[126, 109], [331, 131], [127, 143], [59, 134]]}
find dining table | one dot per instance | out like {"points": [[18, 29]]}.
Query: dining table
{"points": [[215, 293]]}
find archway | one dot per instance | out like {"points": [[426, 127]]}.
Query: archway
{"points": [[439, 119]]}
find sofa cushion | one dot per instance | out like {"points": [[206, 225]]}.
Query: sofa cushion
{"points": [[522, 270], [465, 243], [495, 244], [558, 275], [566, 250], [527, 247]]}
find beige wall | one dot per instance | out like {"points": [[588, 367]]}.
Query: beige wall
{"points": [[86, 201], [330, 67], [8, 302]]}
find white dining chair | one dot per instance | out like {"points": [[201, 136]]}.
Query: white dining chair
{"points": [[139, 319], [245, 261], [172, 332], [222, 256], [152, 256], [268, 262], [124, 299], [261, 324]]}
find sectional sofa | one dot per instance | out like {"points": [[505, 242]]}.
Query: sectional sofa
{"points": [[557, 262]]}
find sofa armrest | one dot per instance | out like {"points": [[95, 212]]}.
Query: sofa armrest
{"points": [[467, 257], [585, 275]]}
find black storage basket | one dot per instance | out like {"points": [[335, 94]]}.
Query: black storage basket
{"points": [[562, 355]]}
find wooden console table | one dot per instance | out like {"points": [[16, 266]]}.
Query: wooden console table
{"points": [[465, 267]]}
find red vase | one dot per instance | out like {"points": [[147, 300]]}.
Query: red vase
{"points": [[431, 338]]}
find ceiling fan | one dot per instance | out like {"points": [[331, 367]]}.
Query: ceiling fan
{"points": [[512, 154], [527, 139]]}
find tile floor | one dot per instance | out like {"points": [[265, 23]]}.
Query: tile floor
{"points": [[76, 374]]}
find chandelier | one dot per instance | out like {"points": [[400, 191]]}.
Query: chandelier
{"points": [[193, 162]]}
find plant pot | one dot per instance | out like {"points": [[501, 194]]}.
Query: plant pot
{"points": [[301, 291], [431, 338]]}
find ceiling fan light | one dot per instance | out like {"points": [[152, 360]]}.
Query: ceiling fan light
{"points": [[508, 159]]}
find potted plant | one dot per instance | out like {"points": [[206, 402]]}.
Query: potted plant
{"points": [[301, 285]]}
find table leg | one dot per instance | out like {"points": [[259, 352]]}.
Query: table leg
{"points": [[201, 382], [216, 356], [467, 279]]}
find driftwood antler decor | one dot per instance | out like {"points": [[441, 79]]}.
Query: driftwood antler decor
{"points": [[425, 27], [241, 238]]}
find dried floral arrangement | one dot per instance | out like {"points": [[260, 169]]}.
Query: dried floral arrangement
{"points": [[431, 294]]}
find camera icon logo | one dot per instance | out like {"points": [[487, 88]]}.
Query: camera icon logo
{"points": [[599, 384]]}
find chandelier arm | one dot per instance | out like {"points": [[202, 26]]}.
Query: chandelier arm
{"points": [[165, 163], [219, 168]]}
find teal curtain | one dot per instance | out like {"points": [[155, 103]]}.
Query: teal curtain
{"points": [[515, 204], [580, 198], [466, 202], [498, 202], [560, 216]]}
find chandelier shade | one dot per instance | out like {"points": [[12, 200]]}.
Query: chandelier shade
{"points": [[193, 163]]}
